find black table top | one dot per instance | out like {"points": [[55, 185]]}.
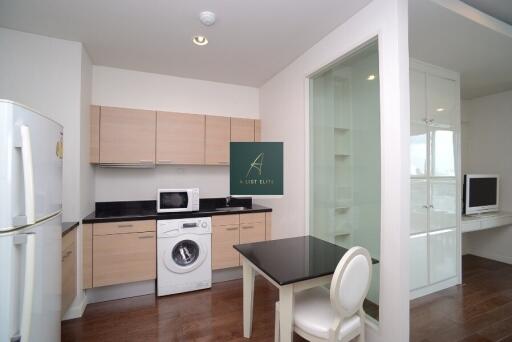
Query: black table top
{"points": [[291, 260]]}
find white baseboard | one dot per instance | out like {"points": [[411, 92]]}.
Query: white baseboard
{"points": [[106, 293], [434, 288], [76, 310]]}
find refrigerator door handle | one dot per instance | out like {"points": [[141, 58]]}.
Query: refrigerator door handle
{"points": [[28, 174], [28, 287]]}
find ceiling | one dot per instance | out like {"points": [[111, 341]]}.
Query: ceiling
{"points": [[442, 37], [500, 9], [251, 41]]}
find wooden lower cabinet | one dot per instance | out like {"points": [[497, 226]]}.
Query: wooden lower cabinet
{"points": [[119, 252], [229, 230], [68, 270], [124, 258]]}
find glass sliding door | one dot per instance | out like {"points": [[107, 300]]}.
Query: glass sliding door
{"points": [[345, 156]]}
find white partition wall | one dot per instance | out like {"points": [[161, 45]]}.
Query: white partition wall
{"points": [[435, 179]]}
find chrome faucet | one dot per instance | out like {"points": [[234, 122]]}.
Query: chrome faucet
{"points": [[228, 201]]}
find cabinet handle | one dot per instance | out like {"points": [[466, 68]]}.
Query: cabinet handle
{"points": [[124, 225], [431, 206], [232, 228], [146, 237], [247, 227], [426, 206]]}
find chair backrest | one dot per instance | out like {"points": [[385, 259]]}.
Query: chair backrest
{"points": [[351, 281]]}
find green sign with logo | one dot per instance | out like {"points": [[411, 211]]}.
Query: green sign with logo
{"points": [[256, 168]]}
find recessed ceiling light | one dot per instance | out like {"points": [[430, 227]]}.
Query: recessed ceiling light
{"points": [[371, 77], [200, 40], [440, 109]]}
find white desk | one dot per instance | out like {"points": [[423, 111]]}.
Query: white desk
{"points": [[472, 223]]}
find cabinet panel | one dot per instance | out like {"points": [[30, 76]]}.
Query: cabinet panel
{"points": [[223, 239], [94, 147], [69, 258], [217, 138], [442, 151], [443, 198], [443, 255], [124, 258], [124, 227], [418, 96], [180, 138], [225, 220], [252, 232], [418, 150], [127, 136], [419, 206], [418, 265], [87, 255], [251, 218], [442, 101], [242, 129], [257, 130]]}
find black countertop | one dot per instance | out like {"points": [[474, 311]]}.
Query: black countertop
{"points": [[146, 210], [291, 260], [68, 226]]}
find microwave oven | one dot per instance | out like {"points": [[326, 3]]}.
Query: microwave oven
{"points": [[176, 200]]}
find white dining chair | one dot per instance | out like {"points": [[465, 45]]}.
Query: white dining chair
{"points": [[337, 314]]}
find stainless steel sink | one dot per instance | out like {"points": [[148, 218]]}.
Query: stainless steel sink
{"points": [[231, 208]]}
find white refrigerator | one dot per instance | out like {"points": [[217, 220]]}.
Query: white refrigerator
{"points": [[30, 225]]}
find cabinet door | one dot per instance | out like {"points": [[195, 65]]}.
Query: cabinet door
{"points": [[443, 255], [180, 138], [418, 97], [68, 270], [127, 136], [418, 149], [252, 227], [443, 201], [442, 152], [223, 239], [242, 129], [418, 265], [442, 101], [123, 258], [257, 130], [419, 206], [94, 145], [218, 135]]}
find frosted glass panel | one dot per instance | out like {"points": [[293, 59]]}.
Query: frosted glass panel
{"points": [[418, 272], [419, 206], [418, 149], [443, 153], [345, 156], [443, 197], [442, 101], [443, 255]]}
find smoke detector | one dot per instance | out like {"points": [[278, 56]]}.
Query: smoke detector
{"points": [[207, 18]]}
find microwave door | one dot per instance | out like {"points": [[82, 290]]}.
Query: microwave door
{"points": [[174, 201]]}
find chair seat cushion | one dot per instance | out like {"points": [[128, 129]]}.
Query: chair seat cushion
{"points": [[314, 315]]}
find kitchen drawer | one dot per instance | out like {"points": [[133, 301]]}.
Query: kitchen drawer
{"points": [[252, 218], [224, 220], [124, 258], [252, 232], [223, 239], [69, 271], [124, 227]]}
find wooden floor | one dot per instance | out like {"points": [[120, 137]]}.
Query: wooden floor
{"points": [[480, 310]]}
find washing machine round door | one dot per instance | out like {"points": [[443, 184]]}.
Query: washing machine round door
{"points": [[185, 254]]}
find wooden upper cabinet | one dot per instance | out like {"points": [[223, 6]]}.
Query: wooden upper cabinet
{"points": [[94, 147], [257, 130], [217, 137], [127, 136], [242, 129], [180, 138]]}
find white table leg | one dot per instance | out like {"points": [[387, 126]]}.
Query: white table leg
{"points": [[286, 313], [248, 274]]}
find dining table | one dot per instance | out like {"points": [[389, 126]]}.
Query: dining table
{"points": [[292, 265]]}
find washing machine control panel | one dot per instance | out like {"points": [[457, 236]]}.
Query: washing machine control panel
{"points": [[197, 225]]}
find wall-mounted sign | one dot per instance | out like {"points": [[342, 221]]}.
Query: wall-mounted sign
{"points": [[256, 168]]}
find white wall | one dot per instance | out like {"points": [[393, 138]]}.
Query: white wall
{"points": [[133, 89], [45, 74], [487, 139], [283, 102]]}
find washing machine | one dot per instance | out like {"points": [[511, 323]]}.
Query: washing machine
{"points": [[184, 255]]}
